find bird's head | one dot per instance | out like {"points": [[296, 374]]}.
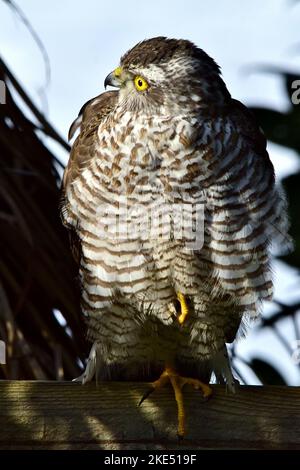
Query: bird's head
{"points": [[167, 76]]}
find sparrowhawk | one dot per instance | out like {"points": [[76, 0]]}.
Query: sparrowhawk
{"points": [[170, 199]]}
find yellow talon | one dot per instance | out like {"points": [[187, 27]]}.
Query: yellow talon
{"points": [[177, 382], [184, 308]]}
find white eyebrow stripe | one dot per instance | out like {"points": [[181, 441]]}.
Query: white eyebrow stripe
{"points": [[153, 73]]}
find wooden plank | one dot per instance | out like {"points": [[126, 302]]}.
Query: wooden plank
{"points": [[66, 415]]}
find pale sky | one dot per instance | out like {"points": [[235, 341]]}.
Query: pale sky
{"points": [[85, 39]]}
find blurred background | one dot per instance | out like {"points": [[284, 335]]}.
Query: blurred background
{"points": [[54, 56]]}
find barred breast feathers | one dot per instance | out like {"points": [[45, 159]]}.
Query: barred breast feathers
{"points": [[220, 161]]}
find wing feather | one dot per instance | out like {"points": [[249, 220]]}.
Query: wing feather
{"points": [[90, 117]]}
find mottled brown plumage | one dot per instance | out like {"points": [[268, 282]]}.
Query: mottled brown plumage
{"points": [[171, 138], [90, 115]]}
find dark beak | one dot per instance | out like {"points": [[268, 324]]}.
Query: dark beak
{"points": [[112, 80]]}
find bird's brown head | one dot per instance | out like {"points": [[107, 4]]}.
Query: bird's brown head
{"points": [[163, 75]]}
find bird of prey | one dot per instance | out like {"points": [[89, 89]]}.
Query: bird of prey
{"points": [[170, 200]]}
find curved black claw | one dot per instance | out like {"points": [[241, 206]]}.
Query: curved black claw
{"points": [[146, 394]]}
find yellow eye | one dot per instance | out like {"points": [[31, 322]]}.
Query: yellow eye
{"points": [[140, 83]]}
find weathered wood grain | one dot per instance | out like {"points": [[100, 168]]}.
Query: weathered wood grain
{"points": [[63, 415]]}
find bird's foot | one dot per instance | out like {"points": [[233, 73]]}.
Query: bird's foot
{"points": [[177, 382]]}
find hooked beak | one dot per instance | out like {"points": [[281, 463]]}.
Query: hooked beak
{"points": [[113, 79]]}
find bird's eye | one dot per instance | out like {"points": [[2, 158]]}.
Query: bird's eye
{"points": [[140, 83]]}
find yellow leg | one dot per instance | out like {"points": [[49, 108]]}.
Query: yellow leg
{"points": [[184, 308], [177, 382]]}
